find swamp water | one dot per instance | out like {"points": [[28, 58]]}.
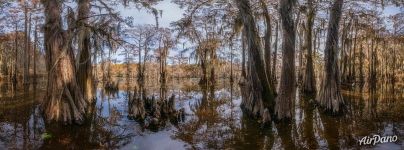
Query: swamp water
{"points": [[213, 120]]}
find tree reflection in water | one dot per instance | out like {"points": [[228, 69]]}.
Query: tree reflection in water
{"points": [[213, 120]]}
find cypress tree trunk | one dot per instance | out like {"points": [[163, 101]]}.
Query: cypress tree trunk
{"points": [[29, 47], [353, 76], [373, 66], [34, 50], [361, 79], [330, 95], [301, 35], [231, 62], [140, 74], [256, 91], [26, 45], [287, 87], [275, 54], [309, 82], [344, 53], [63, 101], [243, 45], [84, 74], [393, 75], [369, 49], [14, 75], [212, 65]]}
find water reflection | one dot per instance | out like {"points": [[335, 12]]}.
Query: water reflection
{"points": [[213, 120]]}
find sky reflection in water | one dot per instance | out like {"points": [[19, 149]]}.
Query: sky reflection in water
{"points": [[213, 120]]}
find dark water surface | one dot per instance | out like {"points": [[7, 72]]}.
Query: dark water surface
{"points": [[213, 120]]}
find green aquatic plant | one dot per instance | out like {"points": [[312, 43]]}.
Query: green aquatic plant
{"points": [[46, 136]]}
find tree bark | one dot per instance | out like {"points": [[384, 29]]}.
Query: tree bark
{"points": [[64, 101], [275, 54], [309, 82], [84, 73], [287, 87], [330, 95], [34, 50]]}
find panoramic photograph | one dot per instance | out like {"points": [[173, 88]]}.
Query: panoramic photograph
{"points": [[202, 74]]}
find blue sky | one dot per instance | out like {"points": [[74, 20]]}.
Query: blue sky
{"points": [[172, 12]]}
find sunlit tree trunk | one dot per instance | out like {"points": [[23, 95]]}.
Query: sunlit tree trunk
{"points": [[64, 101], [309, 82], [287, 84], [84, 73], [329, 95]]}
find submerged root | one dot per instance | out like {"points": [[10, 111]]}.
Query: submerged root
{"points": [[152, 111], [136, 107]]}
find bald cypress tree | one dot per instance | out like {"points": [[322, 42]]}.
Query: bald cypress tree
{"points": [[309, 81], [329, 95], [287, 85], [63, 101]]}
